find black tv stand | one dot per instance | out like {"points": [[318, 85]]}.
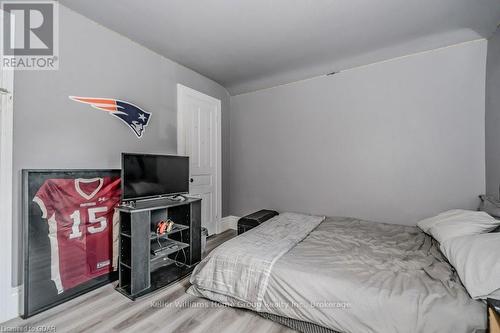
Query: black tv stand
{"points": [[148, 261]]}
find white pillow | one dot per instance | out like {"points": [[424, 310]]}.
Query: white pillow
{"points": [[428, 223], [476, 260], [464, 224]]}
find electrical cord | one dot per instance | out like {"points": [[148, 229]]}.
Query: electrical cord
{"points": [[183, 254], [158, 240]]}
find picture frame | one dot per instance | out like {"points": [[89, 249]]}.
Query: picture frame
{"points": [[39, 290]]}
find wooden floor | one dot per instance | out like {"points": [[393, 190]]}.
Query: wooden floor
{"points": [[167, 310]]}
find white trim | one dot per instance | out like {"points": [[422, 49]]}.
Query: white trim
{"points": [[182, 91], [16, 299], [41, 204], [88, 181], [8, 294], [228, 223], [55, 273]]}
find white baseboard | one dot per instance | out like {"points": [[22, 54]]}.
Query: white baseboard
{"points": [[228, 222], [12, 307]]}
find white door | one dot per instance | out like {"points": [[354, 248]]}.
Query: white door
{"points": [[199, 137]]}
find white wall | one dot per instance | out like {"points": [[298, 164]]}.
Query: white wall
{"points": [[493, 116], [53, 132], [394, 141]]}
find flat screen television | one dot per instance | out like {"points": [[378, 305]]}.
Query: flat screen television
{"points": [[147, 176]]}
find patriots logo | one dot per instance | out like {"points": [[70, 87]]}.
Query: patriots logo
{"points": [[136, 118]]}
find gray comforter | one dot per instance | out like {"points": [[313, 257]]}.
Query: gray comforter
{"points": [[352, 276]]}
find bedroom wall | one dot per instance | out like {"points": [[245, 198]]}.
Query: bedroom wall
{"points": [[493, 115], [52, 131], [394, 141]]}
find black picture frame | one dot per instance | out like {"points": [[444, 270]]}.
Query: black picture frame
{"points": [[40, 293]]}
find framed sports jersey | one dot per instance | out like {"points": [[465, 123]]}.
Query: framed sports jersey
{"points": [[70, 234]]}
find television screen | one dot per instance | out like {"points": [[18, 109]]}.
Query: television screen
{"points": [[146, 176]]}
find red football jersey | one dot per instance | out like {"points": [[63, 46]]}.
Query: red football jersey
{"points": [[83, 227]]}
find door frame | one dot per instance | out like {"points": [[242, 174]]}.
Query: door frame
{"points": [[9, 296], [184, 92]]}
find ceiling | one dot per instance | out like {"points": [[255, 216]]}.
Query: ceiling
{"points": [[246, 45]]}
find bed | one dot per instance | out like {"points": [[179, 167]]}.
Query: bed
{"points": [[346, 275]]}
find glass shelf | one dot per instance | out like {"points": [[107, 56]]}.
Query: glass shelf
{"points": [[175, 228]]}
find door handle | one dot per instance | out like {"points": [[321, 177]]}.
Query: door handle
{"points": [[191, 180]]}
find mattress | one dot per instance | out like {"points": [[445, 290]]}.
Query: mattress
{"points": [[346, 275]]}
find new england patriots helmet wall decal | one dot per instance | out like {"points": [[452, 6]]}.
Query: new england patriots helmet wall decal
{"points": [[136, 118]]}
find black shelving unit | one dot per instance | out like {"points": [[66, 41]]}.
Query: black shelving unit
{"points": [[149, 261]]}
